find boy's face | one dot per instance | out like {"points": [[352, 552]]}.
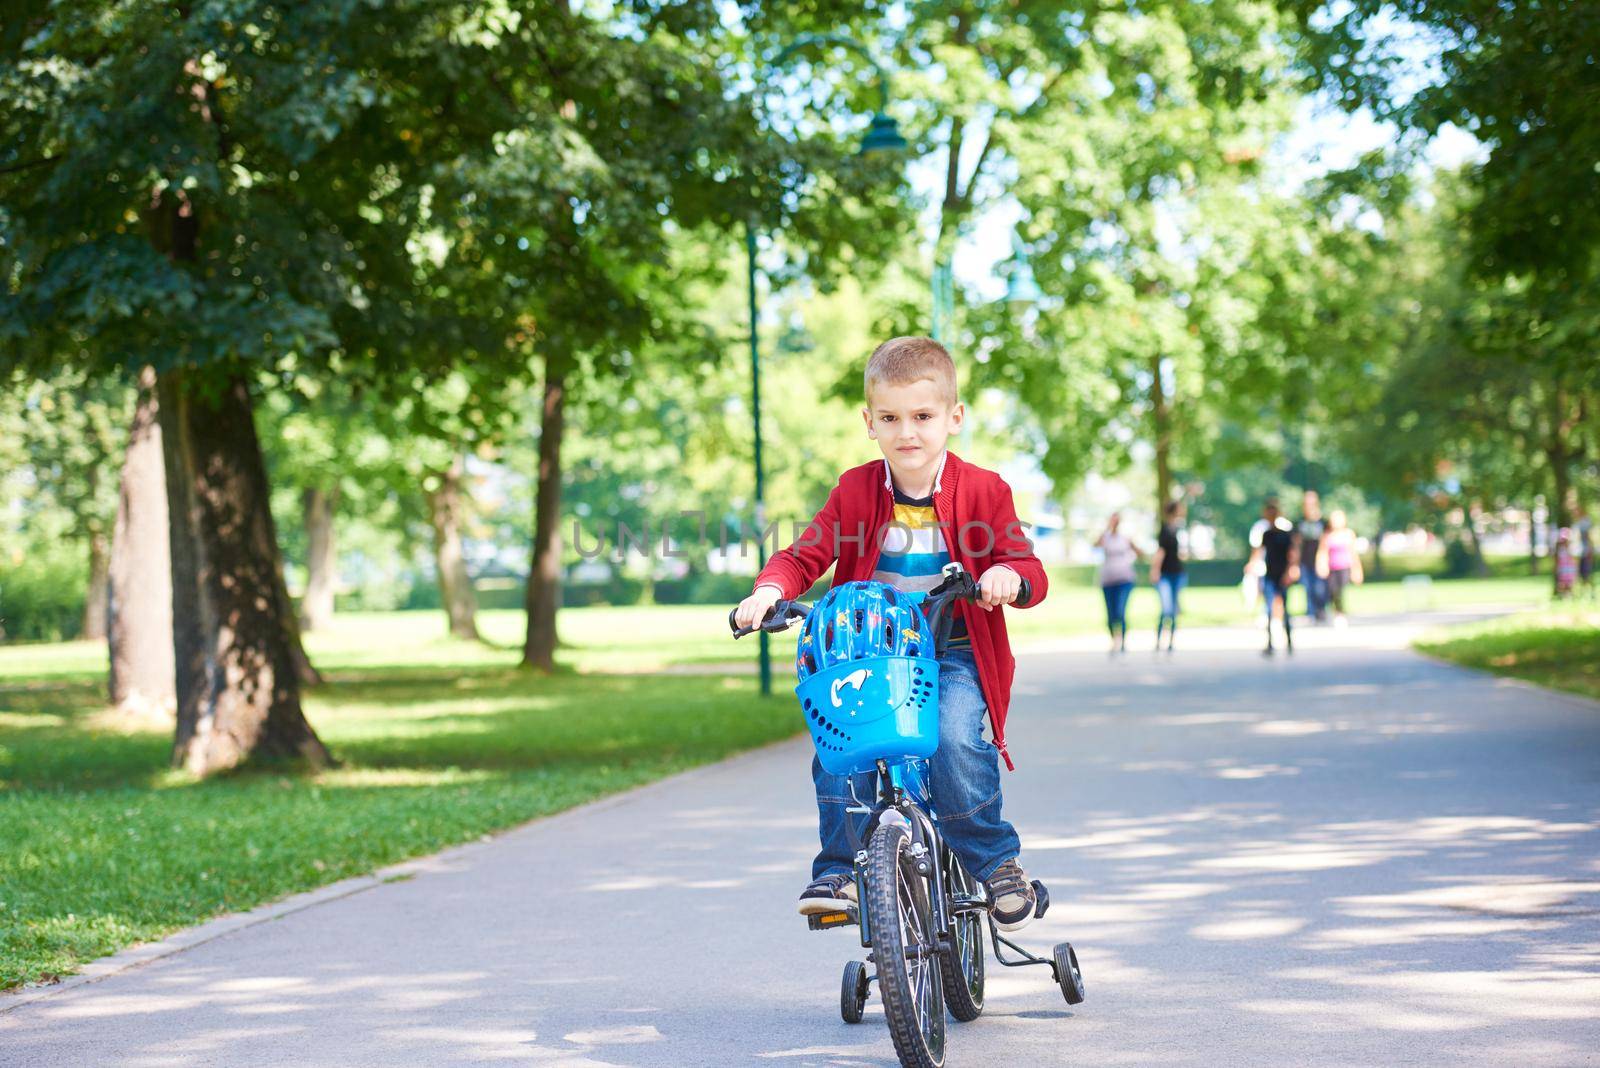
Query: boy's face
{"points": [[911, 424]]}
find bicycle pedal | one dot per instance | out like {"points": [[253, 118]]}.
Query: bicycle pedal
{"points": [[1041, 900], [827, 920]]}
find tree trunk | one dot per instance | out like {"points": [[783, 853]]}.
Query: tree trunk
{"points": [[455, 584], [238, 689], [94, 606], [544, 576], [1376, 571], [1480, 566], [1161, 416], [139, 605], [304, 669], [316, 608]]}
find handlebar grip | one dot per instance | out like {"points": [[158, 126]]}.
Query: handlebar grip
{"points": [[777, 619], [1024, 595]]}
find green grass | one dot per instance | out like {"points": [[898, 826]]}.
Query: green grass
{"points": [[1559, 649], [102, 846]]}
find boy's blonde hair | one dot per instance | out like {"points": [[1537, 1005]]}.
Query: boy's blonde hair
{"points": [[901, 361]]}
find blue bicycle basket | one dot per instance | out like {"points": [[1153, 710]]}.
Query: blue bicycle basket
{"points": [[869, 686]]}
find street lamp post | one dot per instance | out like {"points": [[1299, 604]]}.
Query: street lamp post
{"points": [[883, 136], [755, 404], [1021, 287], [944, 300]]}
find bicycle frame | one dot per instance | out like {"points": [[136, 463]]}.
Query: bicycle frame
{"points": [[903, 796], [902, 792]]}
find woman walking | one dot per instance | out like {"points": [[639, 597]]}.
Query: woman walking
{"points": [[1117, 573], [1167, 574], [1338, 562]]}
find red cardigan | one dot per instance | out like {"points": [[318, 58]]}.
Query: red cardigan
{"points": [[971, 502]]}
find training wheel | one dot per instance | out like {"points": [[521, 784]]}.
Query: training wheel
{"points": [[1068, 974], [853, 991]]}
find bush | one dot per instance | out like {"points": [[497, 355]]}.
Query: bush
{"points": [[423, 594], [1459, 561], [1220, 572], [704, 589], [617, 590], [41, 599]]}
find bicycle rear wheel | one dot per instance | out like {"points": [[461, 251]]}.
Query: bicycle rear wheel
{"points": [[905, 949], [963, 970]]}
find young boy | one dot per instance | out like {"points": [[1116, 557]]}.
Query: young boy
{"points": [[899, 521]]}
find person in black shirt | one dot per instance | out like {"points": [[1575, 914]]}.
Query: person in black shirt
{"points": [[1166, 573], [1279, 550]]}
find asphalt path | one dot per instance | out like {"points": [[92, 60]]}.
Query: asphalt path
{"points": [[1354, 857]]}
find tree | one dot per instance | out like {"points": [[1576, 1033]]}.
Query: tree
{"points": [[661, 144], [222, 191], [1519, 77], [1474, 390], [1134, 142]]}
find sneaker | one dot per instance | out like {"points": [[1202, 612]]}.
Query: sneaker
{"points": [[830, 893], [1011, 896]]}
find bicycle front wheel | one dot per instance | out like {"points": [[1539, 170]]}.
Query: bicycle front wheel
{"points": [[905, 948]]}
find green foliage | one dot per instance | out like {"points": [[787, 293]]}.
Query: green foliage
{"points": [[61, 459], [1133, 141], [1519, 77], [1479, 393], [41, 594]]}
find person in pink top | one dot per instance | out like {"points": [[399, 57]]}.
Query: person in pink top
{"points": [[1338, 562], [1566, 563]]}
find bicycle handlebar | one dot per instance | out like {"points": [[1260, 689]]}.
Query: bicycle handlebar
{"points": [[778, 618], [958, 585]]}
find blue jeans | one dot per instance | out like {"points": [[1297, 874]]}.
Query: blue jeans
{"points": [[1270, 592], [1316, 593], [964, 778], [1117, 606], [1167, 588]]}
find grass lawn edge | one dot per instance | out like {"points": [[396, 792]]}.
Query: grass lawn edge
{"points": [[1453, 646], [1500, 676], [180, 939]]}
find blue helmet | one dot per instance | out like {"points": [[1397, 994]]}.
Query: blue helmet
{"points": [[858, 620]]}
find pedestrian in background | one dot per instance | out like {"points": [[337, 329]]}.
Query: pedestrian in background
{"points": [[1312, 527], [1338, 562], [1118, 570], [1279, 554], [1167, 574], [1584, 528], [1566, 563]]}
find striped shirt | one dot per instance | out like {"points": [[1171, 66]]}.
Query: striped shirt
{"points": [[915, 553]]}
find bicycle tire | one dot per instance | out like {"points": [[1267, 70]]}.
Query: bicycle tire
{"points": [[964, 967], [898, 909]]}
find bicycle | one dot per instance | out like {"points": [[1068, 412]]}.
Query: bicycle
{"points": [[920, 914]]}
